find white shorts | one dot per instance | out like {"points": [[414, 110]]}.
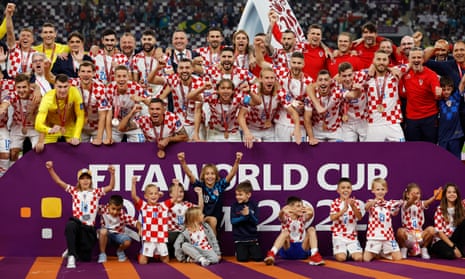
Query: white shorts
{"points": [[388, 132], [386, 246], [17, 137], [218, 136], [342, 246], [149, 249], [135, 135], [4, 140], [190, 131], [327, 136], [354, 131], [283, 133], [267, 135]]}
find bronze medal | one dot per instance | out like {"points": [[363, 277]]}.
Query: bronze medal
{"points": [[380, 108], [325, 127], [226, 135], [345, 118], [268, 124], [161, 154], [24, 130]]}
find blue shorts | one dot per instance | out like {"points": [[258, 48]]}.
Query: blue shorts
{"points": [[294, 252], [118, 238]]}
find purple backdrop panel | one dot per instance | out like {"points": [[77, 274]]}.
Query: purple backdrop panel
{"points": [[34, 225]]}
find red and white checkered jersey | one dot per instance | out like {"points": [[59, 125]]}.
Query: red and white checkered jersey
{"points": [[177, 216], [102, 73], [281, 58], [183, 107], [382, 91], [413, 217], [346, 225], [355, 109], [199, 239], [331, 119], [443, 223], [296, 227], [19, 62], [123, 102], [295, 91], [242, 61], [143, 65], [23, 109], [258, 115], [154, 220], [171, 125], [224, 116], [85, 203], [380, 221], [6, 86], [238, 76], [94, 100], [115, 224], [209, 58]]}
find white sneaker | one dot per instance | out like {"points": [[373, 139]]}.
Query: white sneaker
{"points": [[204, 262], [403, 252], [424, 253], [71, 262]]}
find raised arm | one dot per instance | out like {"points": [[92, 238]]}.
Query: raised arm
{"points": [[10, 30], [235, 167], [110, 185], [134, 196], [54, 175], [185, 168], [126, 123]]}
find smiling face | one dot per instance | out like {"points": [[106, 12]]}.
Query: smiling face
{"points": [[151, 194], [344, 189], [268, 81], [416, 60], [209, 176], [48, 35], [451, 195], [242, 197], [414, 194], [86, 73], [179, 40], [297, 64], [323, 82], [114, 209], [127, 44], [185, 70], [23, 89], [109, 43], [343, 43], [148, 43], [386, 46], [214, 39], [381, 62], [85, 182], [369, 37], [459, 52], [225, 91], [314, 36], [241, 42], [121, 79], [378, 190], [227, 60], [288, 41], [26, 38], [157, 113], [347, 78]]}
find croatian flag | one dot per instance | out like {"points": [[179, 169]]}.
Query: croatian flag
{"points": [[255, 18]]}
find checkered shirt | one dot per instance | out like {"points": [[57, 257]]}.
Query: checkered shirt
{"points": [[172, 124], [257, 116], [177, 216], [154, 220], [332, 117], [380, 221], [209, 59], [115, 224], [124, 100], [6, 86], [85, 203], [199, 239], [15, 59], [100, 72], [413, 217], [217, 120], [98, 101], [443, 223], [238, 76], [183, 107], [296, 227], [28, 108], [143, 65], [242, 61], [346, 225], [356, 109]]}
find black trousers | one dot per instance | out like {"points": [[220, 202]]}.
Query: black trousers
{"points": [[80, 239]]}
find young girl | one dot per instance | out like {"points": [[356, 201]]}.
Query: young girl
{"points": [[212, 186], [80, 231], [411, 236], [449, 241], [197, 241]]}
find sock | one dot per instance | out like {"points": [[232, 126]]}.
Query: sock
{"points": [[4, 164], [314, 251], [274, 250]]}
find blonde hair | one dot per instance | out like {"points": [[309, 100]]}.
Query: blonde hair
{"points": [[204, 169], [381, 181], [409, 188], [192, 216], [150, 186]]}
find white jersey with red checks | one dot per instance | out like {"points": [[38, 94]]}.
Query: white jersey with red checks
{"points": [[296, 227], [183, 107], [413, 217], [295, 91], [223, 117], [177, 216], [19, 61], [209, 58], [6, 86], [104, 67], [238, 76], [24, 110], [154, 220], [346, 225], [115, 224], [85, 203], [281, 58], [143, 65], [242, 61], [356, 108], [443, 223], [380, 220], [94, 101], [271, 104], [122, 103], [172, 124], [331, 119], [199, 239]]}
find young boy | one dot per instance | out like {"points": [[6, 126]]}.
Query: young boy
{"points": [[244, 220], [345, 212], [380, 235], [113, 221], [450, 131], [294, 242], [154, 214], [177, 212]]}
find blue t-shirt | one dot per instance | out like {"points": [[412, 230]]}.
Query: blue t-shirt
{"points": [[213, 197]]}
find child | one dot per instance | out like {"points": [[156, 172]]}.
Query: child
{"points": [[80, 231], [154, 214], [450, 131], [244, 220], [177, 212], [345, 212], [411, 235], [197, 242], [113, 222], [380, 234], [294, 242], [449, 241], [213, 187]]}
